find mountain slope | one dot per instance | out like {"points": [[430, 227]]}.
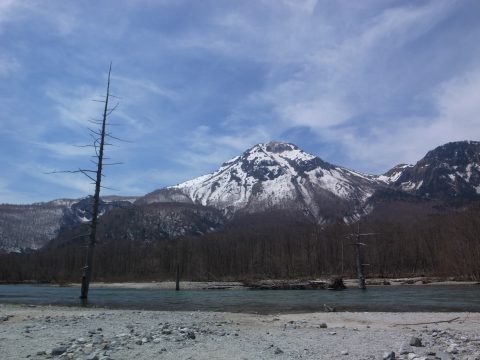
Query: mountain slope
{"points": [[145, 224], [276, 179], [32, 226], [276, 175], [28, 226], [450, 172]]}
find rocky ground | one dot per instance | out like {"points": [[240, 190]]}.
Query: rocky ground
{"points": [[42, 332]]}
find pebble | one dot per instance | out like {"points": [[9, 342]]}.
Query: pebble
{"points": [[452, 348], [443, 355], [59, 350], [405, 348], [388, 355], [415, 341], [94, 345]]}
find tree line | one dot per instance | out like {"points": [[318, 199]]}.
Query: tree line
{"points": [[272, 245]]}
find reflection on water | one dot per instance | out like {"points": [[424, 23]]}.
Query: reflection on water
{"points": [[383, 298]]}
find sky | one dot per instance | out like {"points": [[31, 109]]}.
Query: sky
{"points": [[362, 84]]}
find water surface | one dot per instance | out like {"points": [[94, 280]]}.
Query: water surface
{"points": [[379, 298]]}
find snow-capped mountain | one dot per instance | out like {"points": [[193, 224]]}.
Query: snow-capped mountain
{"points": [[276, 175], [449, 172], [271, 176]]}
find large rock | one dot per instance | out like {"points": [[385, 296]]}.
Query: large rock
{"points": [[415, 341], [388, 355], [59, 350]]}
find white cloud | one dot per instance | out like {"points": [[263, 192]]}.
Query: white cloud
{"points": [[327, 82], [7, 8], [203, 147], [8, 65], [76, 182], [137, 87], [200, 91], [456, 104], [75, 107], [64, 150], [305, 6], [58, 15]]}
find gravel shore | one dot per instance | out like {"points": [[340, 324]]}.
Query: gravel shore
{"points": [[44, 332]]}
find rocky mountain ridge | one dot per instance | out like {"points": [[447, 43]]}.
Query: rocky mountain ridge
{"points": [[276, 175], [450, 172], [272, 176], [280, 175]]}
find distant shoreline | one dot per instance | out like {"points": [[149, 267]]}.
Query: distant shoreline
{"points": [[236, 285]]}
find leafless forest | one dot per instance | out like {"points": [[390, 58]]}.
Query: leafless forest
{"points": [[269, 246]]}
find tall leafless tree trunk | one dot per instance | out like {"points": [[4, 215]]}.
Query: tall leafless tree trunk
{"points": [[360, 265], [359, 260], [87, 270]]}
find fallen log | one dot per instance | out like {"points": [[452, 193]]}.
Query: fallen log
{"points": [[308, 285]]}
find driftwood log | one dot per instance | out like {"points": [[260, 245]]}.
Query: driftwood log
{"points": [[333, 284], [336, 284], [307, 285]]}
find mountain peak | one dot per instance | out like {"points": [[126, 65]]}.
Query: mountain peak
{"points": [[450, 171], [279, 152], [279, 146], [276, 175], [454, 152], [276, 147]]}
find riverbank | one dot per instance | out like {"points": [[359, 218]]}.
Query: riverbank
{"points": [[40, 332], [236, 285]]}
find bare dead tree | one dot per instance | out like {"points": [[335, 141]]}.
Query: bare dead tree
{"points": [[360, 265], [87, 270], [99, 137]]}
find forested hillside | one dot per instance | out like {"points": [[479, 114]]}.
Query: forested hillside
{"points": [[271, 245]]}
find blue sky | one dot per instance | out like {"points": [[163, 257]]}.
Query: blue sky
{"points": [[363, 84]]}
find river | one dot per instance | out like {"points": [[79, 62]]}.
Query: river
{"points": [[379, 298]]}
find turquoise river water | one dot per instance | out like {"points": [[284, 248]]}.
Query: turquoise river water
{"points": [[378, 298]]}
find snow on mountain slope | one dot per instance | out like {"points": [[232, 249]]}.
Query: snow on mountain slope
{"points": [[392, 175], [276, 175], [450, 171]]}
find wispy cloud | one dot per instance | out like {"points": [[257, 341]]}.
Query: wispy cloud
{"points": [[8, 65], [363, 84], [456, 108], [66, 150], [47, 174], [75, 107], [136, 87]]}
